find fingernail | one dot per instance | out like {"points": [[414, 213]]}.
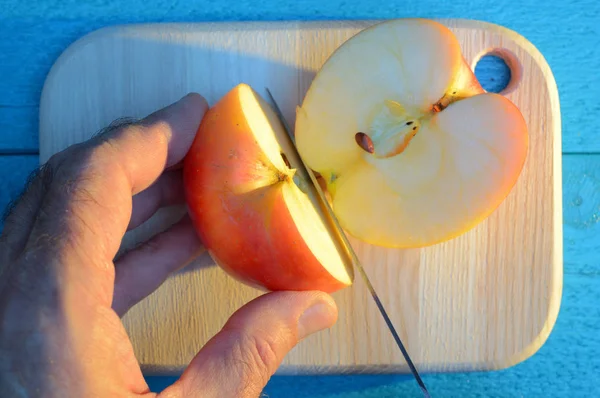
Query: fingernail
{"points": [[319, 316]]}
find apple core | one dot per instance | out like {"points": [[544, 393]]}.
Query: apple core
{"points": [[399, 127]]}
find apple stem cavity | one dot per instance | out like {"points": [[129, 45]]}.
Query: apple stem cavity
{"points": [[444, 102]]}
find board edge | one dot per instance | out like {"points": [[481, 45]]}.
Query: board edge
{"points": [[557, 268], [557, 203]]}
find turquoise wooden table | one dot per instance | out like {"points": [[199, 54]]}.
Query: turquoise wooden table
{"points": [[34, 35]]}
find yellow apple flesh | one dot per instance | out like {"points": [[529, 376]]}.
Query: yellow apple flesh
{"points": [[412, 150]]}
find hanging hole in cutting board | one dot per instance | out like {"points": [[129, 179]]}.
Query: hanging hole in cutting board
{"points": [[497, 70]]}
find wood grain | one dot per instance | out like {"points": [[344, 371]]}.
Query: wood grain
{"points": [[485, 300]]}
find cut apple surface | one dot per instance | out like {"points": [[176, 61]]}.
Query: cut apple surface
{"points": [[413, 151], [252, 203]]}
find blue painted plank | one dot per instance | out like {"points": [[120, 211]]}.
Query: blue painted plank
{"points": [[581, 179], [19, 128], [37, 35], [567, 365]]}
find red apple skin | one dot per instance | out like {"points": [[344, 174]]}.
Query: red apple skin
{"points": [[252, 235]]}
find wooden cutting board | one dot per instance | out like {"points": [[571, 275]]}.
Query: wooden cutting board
{"points": [[485, 300]]}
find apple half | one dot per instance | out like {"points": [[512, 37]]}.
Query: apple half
{"points": [[413, 151], [253, 204]]}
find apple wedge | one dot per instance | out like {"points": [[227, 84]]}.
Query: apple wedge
{"points": [[413, 151], [253, 205]]}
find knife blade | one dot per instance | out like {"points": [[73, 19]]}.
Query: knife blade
{"points": [[342, 240]]}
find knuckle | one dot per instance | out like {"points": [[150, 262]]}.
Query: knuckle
{"points": [[98, 157], [95, 156], [118, 125], [72, 192], [75, 175], [254, 358], [263, 354], [75, 164]]}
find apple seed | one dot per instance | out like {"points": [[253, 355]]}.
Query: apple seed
{"points": [[364, 141]]}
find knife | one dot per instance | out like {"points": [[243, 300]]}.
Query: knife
{"points": [[342, 241]]}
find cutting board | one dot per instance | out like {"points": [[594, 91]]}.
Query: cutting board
{"points": [[485, 300]]}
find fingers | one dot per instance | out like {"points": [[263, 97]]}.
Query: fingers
{"points": [[142, 270], [74, 215], [166, 191], [93, 186], [159, 141], [241, 358]]}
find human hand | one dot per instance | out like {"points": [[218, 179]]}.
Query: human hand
{"points": [[62, 292]]}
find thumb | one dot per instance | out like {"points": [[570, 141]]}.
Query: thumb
{"points": [[242, 357]]}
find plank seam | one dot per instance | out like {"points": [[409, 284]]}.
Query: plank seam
{"points": [[19, 152]]}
